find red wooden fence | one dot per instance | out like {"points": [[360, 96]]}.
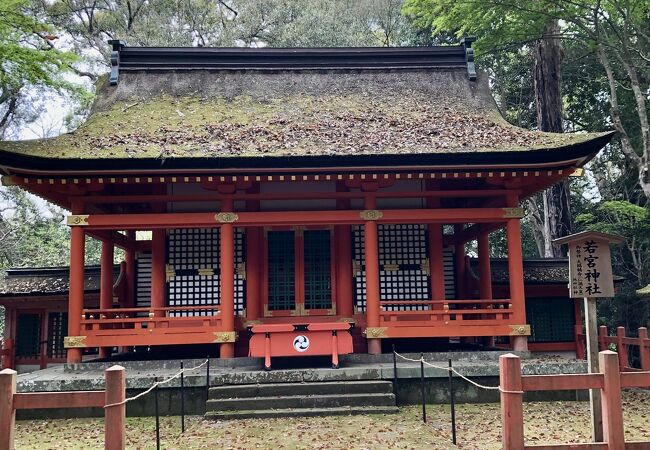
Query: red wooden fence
{"points": [[114, 416], [513, 385], [623, 344]]}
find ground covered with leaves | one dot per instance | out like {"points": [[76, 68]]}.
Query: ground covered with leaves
{"points": [[478, 427]]}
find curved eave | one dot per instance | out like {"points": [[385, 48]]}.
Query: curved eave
{"points": [[570, 155]]}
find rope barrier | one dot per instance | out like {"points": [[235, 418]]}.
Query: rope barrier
{"points": [[451, 369], [157, 383]]}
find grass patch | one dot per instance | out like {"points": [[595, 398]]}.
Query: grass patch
{"points": [[479, 427]]}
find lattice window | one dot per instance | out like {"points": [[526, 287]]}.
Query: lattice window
{"points": [[194, 255], [57, 328], [28, 336], [551, 320], [449, 269], [318, 276], [403, 265], [281, 270], [359, 258], [240, 270], [143, 280]]}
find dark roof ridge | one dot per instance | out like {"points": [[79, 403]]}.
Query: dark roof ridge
{"points": [[444, 57]]}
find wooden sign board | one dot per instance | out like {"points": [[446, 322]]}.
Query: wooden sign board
{"points": [[590, 268]]}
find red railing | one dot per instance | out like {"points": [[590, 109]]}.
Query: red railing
{"points": [[476, 311], [111, 399], [151, 326], [610, 382], [624, 344], [95, 319]]}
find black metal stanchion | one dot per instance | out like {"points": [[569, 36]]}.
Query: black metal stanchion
{"points": [[155, 399], [394, 373], [424, 399], [182, 399], [207, 379], [452, 405]]}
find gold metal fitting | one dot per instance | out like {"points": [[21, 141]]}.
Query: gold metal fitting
{"points": [[74, 342], [519, 330], [513, 213], [375, 332], [78, 220], [225, 336], [371, 214], [226, 217]]}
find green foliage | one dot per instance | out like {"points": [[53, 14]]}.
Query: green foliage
{"points": [[30, 61], [629, 259], [253, 23], [33, 235]]}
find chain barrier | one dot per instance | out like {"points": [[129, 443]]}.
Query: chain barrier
{"points": [[156, 384], [453, 370]]}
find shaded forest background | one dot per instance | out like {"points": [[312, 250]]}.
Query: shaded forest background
{"points": [[53, 51]]}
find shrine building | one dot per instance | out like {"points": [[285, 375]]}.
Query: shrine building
{"points": [[295, 202]]}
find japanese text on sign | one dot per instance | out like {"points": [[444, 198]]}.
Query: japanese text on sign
{"points": [[590, 269]]}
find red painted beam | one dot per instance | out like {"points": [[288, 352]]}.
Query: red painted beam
{"points": [[635, 379], [284, 218], [55, 400], [562, 382]]}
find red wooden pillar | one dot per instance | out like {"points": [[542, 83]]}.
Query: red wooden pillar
{"points": [[485, 273], [644, 349], [254, 245], [344, 306], [158, 280], [436, 260], [621, 348], [436, 251], [613, 432], [512, 408], [254, 261], [7, 411], [516, 275], [227, 279], [343, 236], [106, 284], [129, 259], [115, 416], [371, 243], [76, 290]]}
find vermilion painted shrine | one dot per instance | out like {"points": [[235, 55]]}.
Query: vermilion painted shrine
{"points": [[301, 201]]}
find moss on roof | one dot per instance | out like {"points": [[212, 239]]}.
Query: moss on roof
{"points": [[205, 114], [47, 281]]}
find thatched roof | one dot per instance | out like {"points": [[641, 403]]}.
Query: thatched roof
{"points": [[42, 281], [536, 271], [180, 110]]}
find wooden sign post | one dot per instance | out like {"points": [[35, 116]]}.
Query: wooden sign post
{"points": [[590, 278]]}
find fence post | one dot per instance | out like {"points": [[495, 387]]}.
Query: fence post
{"points": [[7, 411], [613, 433], [621, 348], [512, 408], [644, 349], [602, 334], [114, 416]]}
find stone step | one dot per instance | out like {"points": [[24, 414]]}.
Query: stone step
{"points": [[300, 412], [311, 388], [301, 401]]}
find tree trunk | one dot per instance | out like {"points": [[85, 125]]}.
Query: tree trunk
{"points": [[547, 81]]}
